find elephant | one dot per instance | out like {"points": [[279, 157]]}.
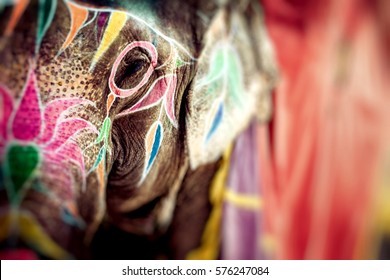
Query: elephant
{"points": [[111, 111]]}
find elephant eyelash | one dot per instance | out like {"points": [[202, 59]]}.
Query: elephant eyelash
{"points": [[134, 67]]}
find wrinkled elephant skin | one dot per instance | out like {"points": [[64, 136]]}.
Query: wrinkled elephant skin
{"points": [[109, 111]]}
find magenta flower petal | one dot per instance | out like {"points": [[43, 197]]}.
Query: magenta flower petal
{"points": [[72, 152], [60, 182], [27, 123], [6, 106], [52, 112], [65, 130], [157, 91]]}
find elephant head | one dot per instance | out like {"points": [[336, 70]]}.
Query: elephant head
{"points": [[107, 108]]}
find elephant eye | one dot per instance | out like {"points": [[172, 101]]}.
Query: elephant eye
{"points": [[132, 68]]}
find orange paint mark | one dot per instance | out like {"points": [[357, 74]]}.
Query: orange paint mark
{"points": [[72, 207], [100, 174], [17, 12], [78, 15], [110, 101], [150, 137]]}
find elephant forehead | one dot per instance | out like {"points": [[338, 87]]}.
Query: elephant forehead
{"points": [[186, 21], [154, 12], [119, 4]]}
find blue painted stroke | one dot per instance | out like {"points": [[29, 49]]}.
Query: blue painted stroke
{"points": [[156, 147], [216, 122], [100, 157]]}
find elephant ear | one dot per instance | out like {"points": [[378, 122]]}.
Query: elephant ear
{"points": [[236, 72]]}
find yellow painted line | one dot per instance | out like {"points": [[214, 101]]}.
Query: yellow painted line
{"points": [[116, 23]]}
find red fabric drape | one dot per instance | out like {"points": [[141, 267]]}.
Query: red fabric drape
{"points": [[327, 151]]}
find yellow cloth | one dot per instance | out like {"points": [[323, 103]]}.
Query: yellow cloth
{"points": [[210, 244]]}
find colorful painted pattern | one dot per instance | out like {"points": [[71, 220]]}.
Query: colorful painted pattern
{"points": [[224, 79], [39, 138]]}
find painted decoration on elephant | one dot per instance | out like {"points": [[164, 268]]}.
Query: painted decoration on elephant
{"points": [[45, 134], [39, 136], [123, 93], [37, 133], [110, 23], [162, 92], [37, 139], [223, 80]]}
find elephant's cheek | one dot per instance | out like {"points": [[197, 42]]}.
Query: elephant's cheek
{"points": [[46, 207], [134, 209], [140, 221], [60, 229], [42, 225]]}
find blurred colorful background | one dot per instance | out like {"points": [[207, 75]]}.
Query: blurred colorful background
{"points": [[313, 182], [325, 155]]}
